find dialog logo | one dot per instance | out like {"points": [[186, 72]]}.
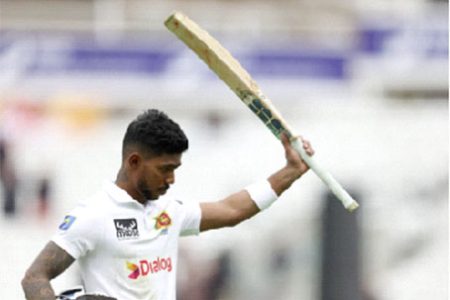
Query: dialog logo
{"points": [[147, 267], [135, 272], [126, 229]]}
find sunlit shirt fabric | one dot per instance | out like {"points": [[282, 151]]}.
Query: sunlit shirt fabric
{"points": [[125, 249]]}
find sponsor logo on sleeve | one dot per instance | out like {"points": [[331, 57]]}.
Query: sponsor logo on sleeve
{"points": [[126, 229], [147, 267], [67, 222]]}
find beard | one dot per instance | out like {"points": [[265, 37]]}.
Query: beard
{"points": [[145, 190]]}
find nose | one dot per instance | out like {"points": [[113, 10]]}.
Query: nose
{"points": [[170, 178]]}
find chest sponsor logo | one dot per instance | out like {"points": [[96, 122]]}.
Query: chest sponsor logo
{"points": [[126, 229], [146, 267]]}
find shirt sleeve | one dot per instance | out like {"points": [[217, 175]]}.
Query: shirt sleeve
{"points": [[78, 233], [191, 217]]}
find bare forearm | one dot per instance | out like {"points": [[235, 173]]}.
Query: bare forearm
{"points": [[227, 212], [294, 169], [37, 288], [283, 179], [51, 262]]}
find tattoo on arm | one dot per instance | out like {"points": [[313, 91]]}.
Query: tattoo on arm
{"points": [[51, 262]]}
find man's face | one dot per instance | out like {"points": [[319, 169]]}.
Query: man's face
{"points": [[153, 176]]}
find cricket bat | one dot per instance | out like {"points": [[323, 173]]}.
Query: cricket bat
{"points": [[221, 62]]}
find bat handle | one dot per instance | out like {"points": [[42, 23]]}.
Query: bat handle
{"points": [[349, 203]]}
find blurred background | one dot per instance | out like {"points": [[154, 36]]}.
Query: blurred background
{"points": [[365, 80]]}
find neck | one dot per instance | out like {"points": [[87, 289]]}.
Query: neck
{"points": [[122, 181]]}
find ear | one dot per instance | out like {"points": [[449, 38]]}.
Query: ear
{"points": [[134, 160]]}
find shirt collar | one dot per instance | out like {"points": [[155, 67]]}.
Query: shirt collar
{"points": [[117, 193]]}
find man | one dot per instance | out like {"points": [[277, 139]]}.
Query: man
{"points": [[126, 241]]}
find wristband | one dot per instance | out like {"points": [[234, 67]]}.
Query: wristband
{"points": [[262, 194]]}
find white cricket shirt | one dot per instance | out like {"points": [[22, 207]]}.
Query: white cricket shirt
{"points": [[127, 250]]}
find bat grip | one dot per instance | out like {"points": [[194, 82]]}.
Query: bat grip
{"points": [[349, 203]]}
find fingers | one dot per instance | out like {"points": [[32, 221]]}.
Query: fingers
{"points": [[305, 143], [307, 146]]}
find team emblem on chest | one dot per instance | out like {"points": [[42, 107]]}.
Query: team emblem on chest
{"points": [[163, 221]]}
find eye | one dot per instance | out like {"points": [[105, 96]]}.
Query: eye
{"points": [[166, 169]]}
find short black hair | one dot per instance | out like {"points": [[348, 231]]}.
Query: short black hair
{"points": [[154, 133]]}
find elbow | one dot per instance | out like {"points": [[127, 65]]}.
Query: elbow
{"points": [[25, 281], [33, 282], [30, 278]]}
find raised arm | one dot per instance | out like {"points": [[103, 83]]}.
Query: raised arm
{"points": [[51, 262], [239, 206]]}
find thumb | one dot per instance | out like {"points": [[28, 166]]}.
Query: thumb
{"points": [[285, 139]]}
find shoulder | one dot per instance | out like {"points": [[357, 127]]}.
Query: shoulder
{"points": [[88, 211], [169, 203], [171, 207], [97, 204], [178, 206]]}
